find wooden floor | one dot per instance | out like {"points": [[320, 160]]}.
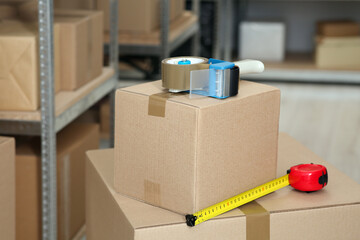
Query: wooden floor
{"points": [[326, 119]]}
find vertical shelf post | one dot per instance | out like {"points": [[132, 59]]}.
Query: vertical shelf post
{"points": [[48, 134], [196, 38], [217, 29], [114, 61], [165, 22], [228, 41]]}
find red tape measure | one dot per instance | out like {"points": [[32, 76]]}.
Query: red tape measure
{"points": [[308, 177]]}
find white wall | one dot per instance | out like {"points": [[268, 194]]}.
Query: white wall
{"points": [[301, 17]]}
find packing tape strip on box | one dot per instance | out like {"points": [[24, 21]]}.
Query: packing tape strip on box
{"points": [[206, 77]]}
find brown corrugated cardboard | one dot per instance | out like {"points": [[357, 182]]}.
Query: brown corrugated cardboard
{"points": [[94, 39], [73, 40], [19, 85], [72, 143], [171, 157], [71, 4], [338, 28], [7, 11], [139, 19], [28, 10], [338, 53], [7, 188], [332, 213]]}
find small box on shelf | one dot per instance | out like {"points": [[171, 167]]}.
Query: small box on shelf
{"points": [[7, 188], [262, 40], [338, 53], [72, 143], [136, 19]]}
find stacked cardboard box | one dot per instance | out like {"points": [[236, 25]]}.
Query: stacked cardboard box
{"points": [[332, 213], [172, 144], [7, 188], [338, 45], [78, 53], [72, 143], [180, 154]]}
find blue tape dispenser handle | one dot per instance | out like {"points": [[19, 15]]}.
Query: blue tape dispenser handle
{"points": [[221, 80]]}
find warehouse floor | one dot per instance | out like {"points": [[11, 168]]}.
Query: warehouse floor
{"points": [[325, 118]]}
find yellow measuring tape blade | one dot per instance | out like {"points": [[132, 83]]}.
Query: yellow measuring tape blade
{"points": [[240, 199]]}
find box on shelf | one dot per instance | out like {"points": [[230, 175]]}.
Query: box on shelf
{"points": [[7, 11], [80, 50], [139, 19], [338, 28], [262, 40], [72, 143], [28, 10], [172, 143], [19, 74], [7, 188], [338, 53], [78, 4], [331, 213]]}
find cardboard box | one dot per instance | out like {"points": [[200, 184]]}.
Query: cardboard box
{"points": [[338, 53], [332, 213], [19, 67], [89, 47], [72, 143], [139, 19], [262, 40], [7, 11], [172, 143], [19, 73], [28, 11], [7, 188], [73, 33], [338, 28], [78, 4]]}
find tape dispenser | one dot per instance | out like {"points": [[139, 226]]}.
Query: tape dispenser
{"points": [[206, 77]]}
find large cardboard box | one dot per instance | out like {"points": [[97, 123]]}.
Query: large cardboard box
{"points": [[134, 18], [332, 213], [172, 144], [72, 143], [86, 40], [338, 28], [338, 53], [7, 188], [19, 73]]}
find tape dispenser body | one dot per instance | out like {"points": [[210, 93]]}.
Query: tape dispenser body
{"points": [[205, 77]]}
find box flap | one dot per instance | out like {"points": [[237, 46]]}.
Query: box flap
{"points": [[340, 191], [246, 89]]}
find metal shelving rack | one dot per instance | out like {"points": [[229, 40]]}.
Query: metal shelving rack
{"points": [[50, 124], [166, 47]]}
